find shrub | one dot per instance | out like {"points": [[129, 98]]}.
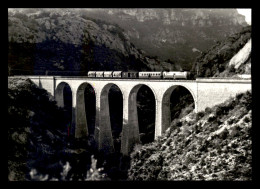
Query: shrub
{"points": [[179, 123], [239, 96], [211, 118], [219, 122], [230, 121], [246, 119], [224, 134], [197, 129], [136, 150], [232, 69], [219, 111], [208, 110], [93, 173], [214, 126], [242, 113], [199, 115], [232, 104]]}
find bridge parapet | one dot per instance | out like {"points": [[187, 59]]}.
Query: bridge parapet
{"points": [[223, 80], [213, 91]]}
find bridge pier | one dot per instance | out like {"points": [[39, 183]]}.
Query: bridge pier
{"points": [[158, 118], [81, 129], [74, 113], [59, 95], [165, 108], [97, 121], [103, 132], [130, 131], [162, 117]]}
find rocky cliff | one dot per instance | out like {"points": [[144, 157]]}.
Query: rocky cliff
{"points": [[85, 39], [230, 57], [176, 34], [61, 41], [242, 60]]}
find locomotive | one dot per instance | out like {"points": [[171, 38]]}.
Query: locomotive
{"points": [[142, 75]]}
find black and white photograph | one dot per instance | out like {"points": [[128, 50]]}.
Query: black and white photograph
{"points": [[129, 94]]}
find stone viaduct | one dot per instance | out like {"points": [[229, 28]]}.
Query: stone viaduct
{"points": [[206, 92]]}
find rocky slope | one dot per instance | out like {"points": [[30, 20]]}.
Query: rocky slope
{"points": [[228, 58], [211, 145], [61, 41], [176, 34], [38, 142], [241, 62], [85, 39], [27, 121]]}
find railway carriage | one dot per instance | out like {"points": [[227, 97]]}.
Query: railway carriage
{"points": [[117, 74], [99, 74], [152, 75], [168, 75], [130, 75], [108, 74], [133, 74], [125, 75], [175, 75], [91, 74], [181, 75]]}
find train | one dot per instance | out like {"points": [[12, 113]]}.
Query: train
{"points": [[142, 75]]}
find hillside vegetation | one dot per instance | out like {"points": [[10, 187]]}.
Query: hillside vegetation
{"points": [[38, 144], [215, 62], [166, 32], [64, 43], [79, 40], [31, 130], [215, 144]]}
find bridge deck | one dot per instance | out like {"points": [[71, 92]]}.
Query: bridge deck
{"points": [[200, 80]]}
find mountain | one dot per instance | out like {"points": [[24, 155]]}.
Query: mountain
{"points": [[175, 34], [230, 57], [214, 144], [124, 39], [62, 42]]}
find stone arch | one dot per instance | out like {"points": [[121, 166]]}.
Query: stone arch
{"points": [[133, 123], [81, 129], [59, 93], [107, 87], [166, 112], [59, 97], [136, 88], [105, 129]]}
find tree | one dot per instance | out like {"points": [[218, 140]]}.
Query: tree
{"points": [[208, 73], [232, 69]]}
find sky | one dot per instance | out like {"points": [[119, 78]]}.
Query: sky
{"points": [[246, 13]]}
